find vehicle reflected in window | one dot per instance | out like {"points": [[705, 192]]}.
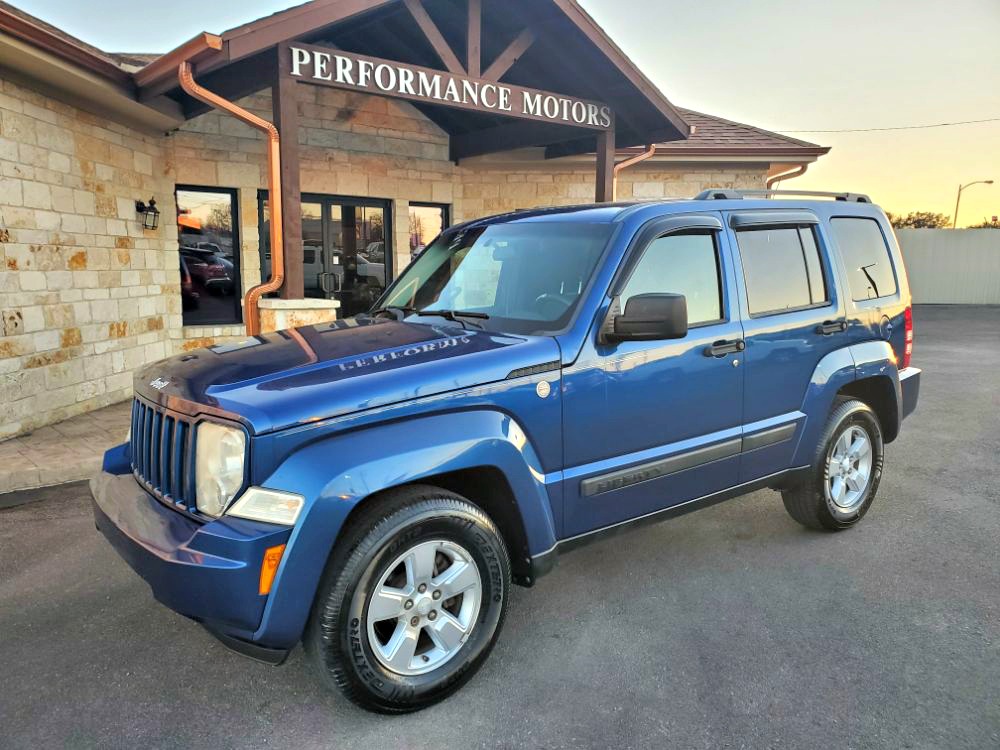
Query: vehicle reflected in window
{"points": [[209, 245], [343, 249]]}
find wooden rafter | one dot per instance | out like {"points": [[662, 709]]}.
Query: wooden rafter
{"points": [[474, 37], [511, 55], [434, 36]]}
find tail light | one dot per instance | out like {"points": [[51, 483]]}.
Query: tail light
{"points": [[908, 328]]}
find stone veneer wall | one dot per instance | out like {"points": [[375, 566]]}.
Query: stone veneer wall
{"points": [[350, 144], [482, 191], [86, 295]]}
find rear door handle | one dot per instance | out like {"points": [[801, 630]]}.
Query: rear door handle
{"points": [[722, 348], [830, 327]]}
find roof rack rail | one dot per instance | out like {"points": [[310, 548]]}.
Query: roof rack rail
{"points": [[719, 194]]}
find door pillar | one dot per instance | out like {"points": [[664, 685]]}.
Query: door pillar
{"points": [[286, 118], [606, 165]]}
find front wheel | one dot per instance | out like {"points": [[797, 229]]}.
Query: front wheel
{"points": [[842, 483], [412, 602]]}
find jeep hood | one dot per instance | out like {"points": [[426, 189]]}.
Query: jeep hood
{"points": [[302, 375]]}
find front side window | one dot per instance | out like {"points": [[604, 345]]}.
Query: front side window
{"points": [[869, 267], [527, 278], [782, 269], [685, 264], [208, 234]]}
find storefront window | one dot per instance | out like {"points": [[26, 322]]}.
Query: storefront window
{"points": [[208, 234], [427, 221], [344, 250]]}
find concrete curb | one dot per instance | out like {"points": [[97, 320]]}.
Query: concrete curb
{"points": [[32, 479], [16, 499]]}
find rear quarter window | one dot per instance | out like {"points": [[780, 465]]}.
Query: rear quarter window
{"points": [[867, 257]]}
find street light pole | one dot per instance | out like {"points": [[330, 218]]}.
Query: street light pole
{"points": [[954, 221]]}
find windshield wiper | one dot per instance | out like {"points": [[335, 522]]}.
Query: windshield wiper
{"points": [[396, 311], [457, 315]]}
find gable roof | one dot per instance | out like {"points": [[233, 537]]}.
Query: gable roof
{"points": [[570, 55], [710, 135]]}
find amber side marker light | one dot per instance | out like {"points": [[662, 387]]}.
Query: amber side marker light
{"points": [[269, 567]]}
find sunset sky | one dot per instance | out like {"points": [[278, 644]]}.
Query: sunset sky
{"points": [[779, 64]]}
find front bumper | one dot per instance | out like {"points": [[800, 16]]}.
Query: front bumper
{"points": [[209, 572]]}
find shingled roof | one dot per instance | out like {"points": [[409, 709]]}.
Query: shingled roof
{"points": [[713, 134]]}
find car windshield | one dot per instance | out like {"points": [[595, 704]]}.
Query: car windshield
{"points": [[519, 278]]}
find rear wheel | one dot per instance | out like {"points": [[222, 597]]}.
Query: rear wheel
{"points": [[412, 602], [842, 483]]}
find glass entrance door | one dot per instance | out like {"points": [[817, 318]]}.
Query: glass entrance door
{"points": [[346, 250]]}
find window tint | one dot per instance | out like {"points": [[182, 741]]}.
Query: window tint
{"points": [[869, 268], [814, 267], [782, 268], [680, 264]]}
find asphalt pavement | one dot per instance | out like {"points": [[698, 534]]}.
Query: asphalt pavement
{"points": [[731, 627]]}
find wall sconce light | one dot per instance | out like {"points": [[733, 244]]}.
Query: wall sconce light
{"points": [[150, 213]]}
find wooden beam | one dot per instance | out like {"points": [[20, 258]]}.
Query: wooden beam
{"points": [[508, 137], [509, 56], [605, 166], [286, 118], [434, 36], [474, 38]]}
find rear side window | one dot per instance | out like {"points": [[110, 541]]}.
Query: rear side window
{"points": [[685, 264], [869, 266], [782, 268]]}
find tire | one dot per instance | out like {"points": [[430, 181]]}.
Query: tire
{"points": [[376, 570], [815, 501]]}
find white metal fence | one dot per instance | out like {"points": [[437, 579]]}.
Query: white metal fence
{"points": [[952, 266]]}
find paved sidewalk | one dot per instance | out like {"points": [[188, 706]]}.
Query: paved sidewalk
{"points": [[63, 452]]}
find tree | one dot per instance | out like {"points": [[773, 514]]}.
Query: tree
{"points": [[220, 219], [920, 220], [987, 224]]}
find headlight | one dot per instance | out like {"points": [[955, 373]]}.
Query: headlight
{"points": [[269, 506], [219, 466]]}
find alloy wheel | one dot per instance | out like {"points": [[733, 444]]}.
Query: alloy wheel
{"points": [[849, 469], [424, 607]]}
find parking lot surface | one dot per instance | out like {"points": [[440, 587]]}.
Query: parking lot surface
{"points": [[730, 627]]}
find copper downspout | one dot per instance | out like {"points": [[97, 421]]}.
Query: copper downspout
{"points": [[797, 172], [630, 162], [273, 284]]}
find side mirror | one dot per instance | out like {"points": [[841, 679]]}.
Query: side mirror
{"points": [[651, 317]]}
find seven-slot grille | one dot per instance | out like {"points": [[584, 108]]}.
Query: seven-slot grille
{"points": [[163, 453]]}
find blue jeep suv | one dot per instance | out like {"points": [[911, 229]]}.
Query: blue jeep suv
{"points": [[531, 382]]}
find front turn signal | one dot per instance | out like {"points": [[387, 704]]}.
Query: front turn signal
{"points": [[269, 568]]}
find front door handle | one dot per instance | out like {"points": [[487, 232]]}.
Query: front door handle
{"points": [[830, 327], [722, 348]]}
